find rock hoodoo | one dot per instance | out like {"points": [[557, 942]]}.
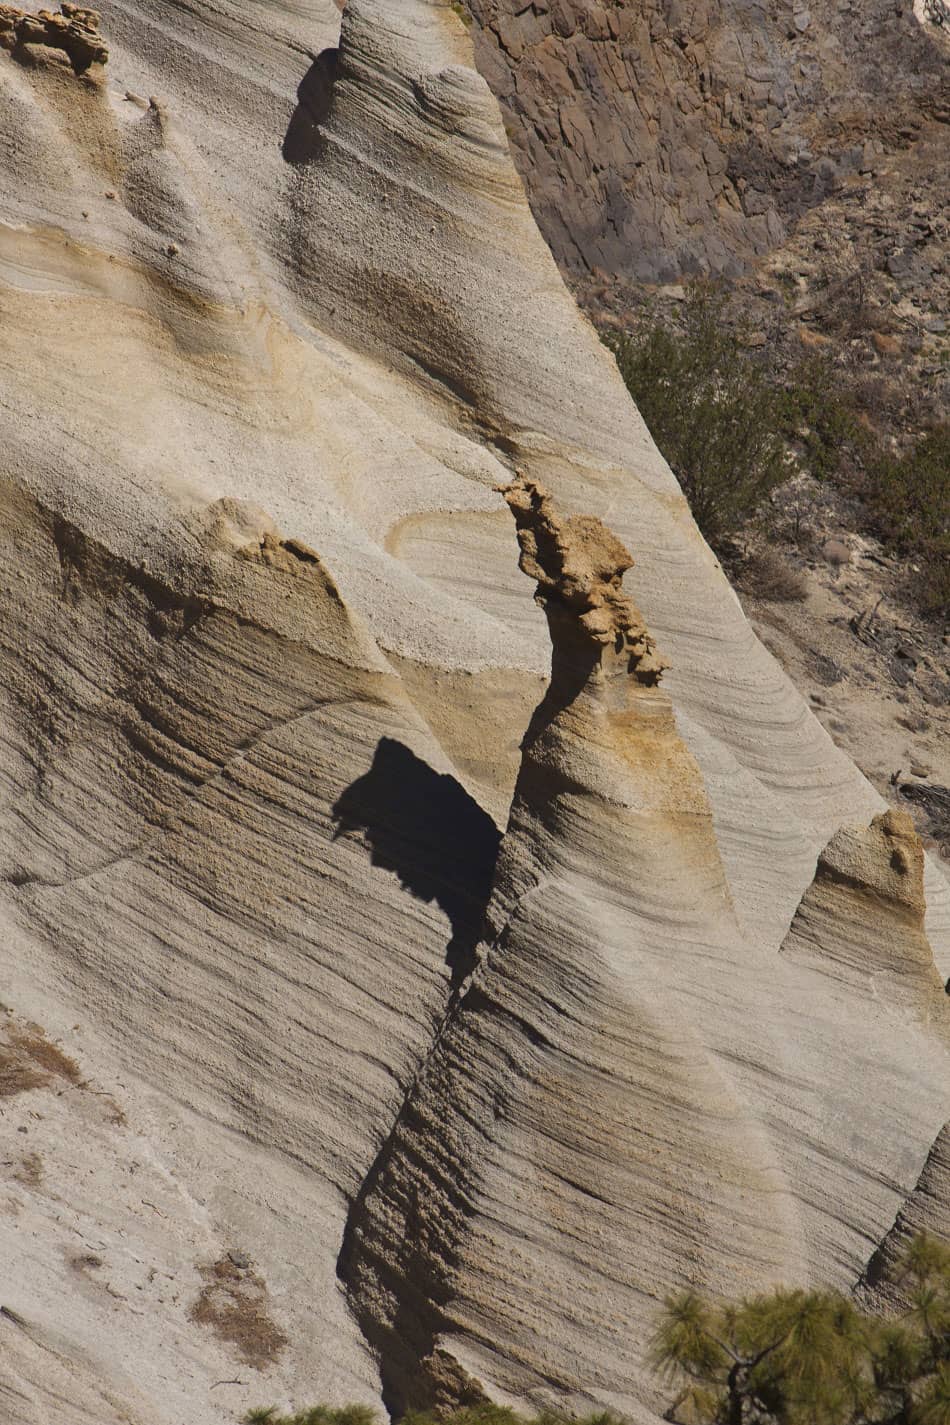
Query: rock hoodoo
{"points": [[565, 1103], [579, 565], [861, 921]]}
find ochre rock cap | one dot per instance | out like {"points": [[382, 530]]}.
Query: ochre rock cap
{"points": [[74, 30], [579, 566]]}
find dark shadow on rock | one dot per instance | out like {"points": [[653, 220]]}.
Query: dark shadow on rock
{"points": [[424, 826], [314, 94]]}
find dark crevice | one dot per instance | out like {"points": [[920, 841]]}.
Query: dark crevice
{"points": [[431, 1196]]}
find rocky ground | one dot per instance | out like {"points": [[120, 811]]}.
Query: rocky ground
{"points": [[875, 672]]}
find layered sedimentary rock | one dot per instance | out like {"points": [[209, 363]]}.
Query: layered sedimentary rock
{"points": [[927, 1209], [276, 321], [578, 1095], [861, 922], [563, 1108]]}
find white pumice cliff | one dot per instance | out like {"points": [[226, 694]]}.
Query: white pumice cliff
{"points": [[470, 1000]]}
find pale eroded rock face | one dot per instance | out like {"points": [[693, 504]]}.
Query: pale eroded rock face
{"points": [[564, 1108], [596, 1083], [266, 669], [927, 1209], [861, 922]]}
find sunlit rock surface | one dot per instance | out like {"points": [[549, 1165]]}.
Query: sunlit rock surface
{"points": [[275, 322]]}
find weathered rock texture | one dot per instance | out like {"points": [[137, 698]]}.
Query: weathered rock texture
{"points": [[660, 139], [266, 669], [927, 1209], [861, 922], [554, 1114], [563, 1107], [74, 31]]}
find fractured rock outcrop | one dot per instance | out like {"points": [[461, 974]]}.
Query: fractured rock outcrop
{"points": [[658, 140], [74, 30]]}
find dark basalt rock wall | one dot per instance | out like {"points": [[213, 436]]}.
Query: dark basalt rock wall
{"points": [[659, 139]]}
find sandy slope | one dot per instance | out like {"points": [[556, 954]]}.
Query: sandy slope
{"points": [[267, 661]]}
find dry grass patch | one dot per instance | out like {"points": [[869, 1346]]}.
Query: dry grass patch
{"points": [[765, 574], [233, 1302], [29, 1171], [28, 1060]]}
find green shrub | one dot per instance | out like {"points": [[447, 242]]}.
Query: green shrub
{"points": [[487, 1413], [813, 1357], [815, 411], [908, 498], [316, 1415], [725, 425], [710, 409]]}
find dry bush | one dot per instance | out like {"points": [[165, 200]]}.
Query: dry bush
{"points": [[29, 1060], [18, 1075], [48, 1056], [845, 306], [766, 575], [85, 1261], [233, 1303]]}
